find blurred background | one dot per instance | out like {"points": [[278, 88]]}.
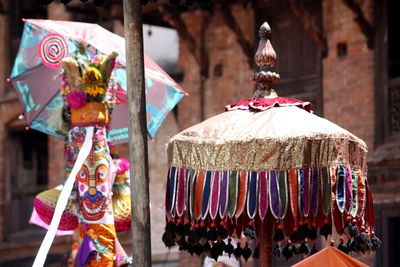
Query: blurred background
{"points": [[341, 55]]}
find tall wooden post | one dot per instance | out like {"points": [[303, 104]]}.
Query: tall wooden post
{"points": [[141, 241], [264, 80], [265, 246]]}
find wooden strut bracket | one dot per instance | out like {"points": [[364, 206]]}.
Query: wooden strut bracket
{"points": [[366, 27], [231, 22], [173, 19], [309, 25], [198, 51], [2, 9], [199, 54]]}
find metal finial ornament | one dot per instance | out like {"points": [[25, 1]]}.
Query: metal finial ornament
{"points": [[265, 58], [265, 31]]}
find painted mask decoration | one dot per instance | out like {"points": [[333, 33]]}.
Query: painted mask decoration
{"points": [[93, 186]]}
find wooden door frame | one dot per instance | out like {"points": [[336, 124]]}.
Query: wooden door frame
{"points": [[13, 237], [381, 73]]}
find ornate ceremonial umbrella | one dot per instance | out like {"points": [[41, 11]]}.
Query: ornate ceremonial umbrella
{"points": [[270, 169]]}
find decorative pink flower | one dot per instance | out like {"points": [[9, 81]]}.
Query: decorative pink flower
{"points": [[76, 99], [122, 165], [95, 59]]}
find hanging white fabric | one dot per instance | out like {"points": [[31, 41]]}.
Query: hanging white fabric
{"points": [[63, 199]]}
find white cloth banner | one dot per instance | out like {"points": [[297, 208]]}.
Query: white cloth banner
{"points": [[63, 199]]}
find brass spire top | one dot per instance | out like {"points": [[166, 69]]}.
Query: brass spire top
{"points": [[265, 58]]}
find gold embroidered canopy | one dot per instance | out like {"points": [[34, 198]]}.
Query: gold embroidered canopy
{"points": [[277, 139]]}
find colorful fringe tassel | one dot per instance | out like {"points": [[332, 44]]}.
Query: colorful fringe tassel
{"points": [[296, 203]]}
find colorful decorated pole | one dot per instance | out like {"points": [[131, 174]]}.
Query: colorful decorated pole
{"points": [[94, 193], [141, 239]]}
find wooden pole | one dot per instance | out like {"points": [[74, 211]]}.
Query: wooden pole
{"points": [[265, 258], [141, 241], [264, 80]]}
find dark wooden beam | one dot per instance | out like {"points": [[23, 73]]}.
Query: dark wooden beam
{"points": [[205, 63], [366, 27], [175, 21], [310, 26], [197, 49], [233, 24], [2, 9], [114, 11]]}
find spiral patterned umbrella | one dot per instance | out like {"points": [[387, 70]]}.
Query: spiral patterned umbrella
{"points": [[37, 80]]}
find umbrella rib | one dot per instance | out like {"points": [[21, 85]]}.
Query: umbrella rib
{"points": [[41, 109], [30, 69]]}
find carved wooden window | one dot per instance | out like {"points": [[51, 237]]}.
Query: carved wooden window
{"points": [[388, 221], [393, 232], [394, 106], [393, 66], [299, 58], [27, 176], [393, 39], [387, 71]]}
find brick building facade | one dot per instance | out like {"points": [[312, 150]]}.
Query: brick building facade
{"points": [[20, 182], [340, 55]]}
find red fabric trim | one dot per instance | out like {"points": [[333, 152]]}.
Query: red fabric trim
{"points": [[262, 104]]}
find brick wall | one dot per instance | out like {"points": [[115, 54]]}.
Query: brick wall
{"points": [[9, 111], [348, 81], [3, 23], [56, 163], [224, 52], [3, 51]]}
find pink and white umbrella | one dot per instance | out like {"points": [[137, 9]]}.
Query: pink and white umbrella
{"points": [[37, 80]]}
